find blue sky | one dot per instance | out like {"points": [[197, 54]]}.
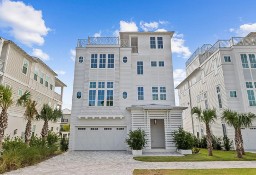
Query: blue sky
{"points": [[49, 29]]}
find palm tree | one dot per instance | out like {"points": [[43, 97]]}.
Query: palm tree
{"points": [[30, 112], [48, 114], [5, 102], [207, 116]]}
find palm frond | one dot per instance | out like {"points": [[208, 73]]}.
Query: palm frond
{"points": [[24, 99]]}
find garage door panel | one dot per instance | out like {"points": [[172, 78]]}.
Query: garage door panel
{"points": [[249, 138], [100, 138]]}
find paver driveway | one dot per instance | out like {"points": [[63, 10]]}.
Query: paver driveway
{"points": [[113, 163]]}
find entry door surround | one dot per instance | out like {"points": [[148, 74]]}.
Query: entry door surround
{"points": [[157, 132]]}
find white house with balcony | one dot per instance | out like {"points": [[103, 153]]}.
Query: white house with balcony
{"points": [[121, 84], [221, 76]]}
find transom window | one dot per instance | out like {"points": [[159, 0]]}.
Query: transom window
{"points": [[227, 59], [244, 61], [111, 61], [160, 42], [101, 84], [94, 61], [249, 85], [92, 84], [25, 66], [140, 93], [140, 67], [232, 94], [102, 61], [110, 84], [161, 63], [252, 60], [152, 42], [153, 64]]}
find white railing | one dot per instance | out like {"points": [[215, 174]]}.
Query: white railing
{"points": [[98, 41]]}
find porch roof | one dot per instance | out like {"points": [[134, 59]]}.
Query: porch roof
{"points": [[156, 107]]}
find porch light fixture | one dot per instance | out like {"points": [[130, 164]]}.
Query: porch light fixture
{"points": [[154, 121]]}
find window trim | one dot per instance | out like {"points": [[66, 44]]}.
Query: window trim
{"points": [[25, 61]]}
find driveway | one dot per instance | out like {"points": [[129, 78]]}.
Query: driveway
{"points": [[113, 163]]}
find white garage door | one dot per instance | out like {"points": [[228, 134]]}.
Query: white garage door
{"points": [[249, 138], [100, 138]]}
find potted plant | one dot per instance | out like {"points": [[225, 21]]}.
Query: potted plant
{"points": [[184, 141], [136, 141]]}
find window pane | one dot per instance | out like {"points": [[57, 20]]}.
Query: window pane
{"points": [[139, 67], [93, 60], [252, 60], [162, 96], [140, 93], [160, 42], [110, 85], [100, 97], [251, 98], [102, 61], [153, 64], [92, 84], [227, 59], [81, 59], [101, 84], [109, 97], [110, 60], [152, 42], [92, 96], [161, 63], [78, 95], [124, 95], [249, 85], [244, 61]]}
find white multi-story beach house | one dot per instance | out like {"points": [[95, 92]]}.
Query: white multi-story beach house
{"points": [[22, 72], [221, 76], [121, 84]]}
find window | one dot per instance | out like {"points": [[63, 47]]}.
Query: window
{"points": [[160, 42], [119, 128], [107, 129], [102, 61], [153, 64], [92, 97], [252, 60], [162, 93], [93, 60], [109, 97], [20, 92], [161, 63], [251, 98], [42, 78], [46, 81], [255, 84], [125, 59], [101, 97], [78, 95], [140, 93], [111, 61], [124, 95], [95, 129], [155, 93], [224, 129], [219, 96], [15, 131], [110, 85], [81, 128], [51, 128], [152, 42], [134, 44], [249, 85], [140, 67], [51, 86], [101, 84], [232, 94], [227, 59], [35, 74], [244, 61], [92, 84], [81, 59], [25, 66]]}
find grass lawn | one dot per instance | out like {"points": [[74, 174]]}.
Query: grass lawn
{"points": [[233, 171], [202, 156]]}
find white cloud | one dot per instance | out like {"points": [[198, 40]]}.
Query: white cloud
{"points": [[244, 29], [60, 72], [40, 54], [72, 54], [161, 30], [128, 26], [178, 46], [97, 34], [149, 26], [116, 33], [178, 76], [23, 22]]}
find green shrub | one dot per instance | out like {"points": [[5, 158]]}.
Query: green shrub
{"points": [[216, 143], [136, 139], [37, 142], [183, 139], [64, 144], [52, 139], [13, 144], [203, 142], [227, 143], [195, 150]]}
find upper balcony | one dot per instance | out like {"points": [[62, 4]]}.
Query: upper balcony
{"points": [[91, 41]]}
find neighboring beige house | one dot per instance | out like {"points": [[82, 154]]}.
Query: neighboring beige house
{"points": [[121, 84], [221, 76], [65, 121], [22, 72]]}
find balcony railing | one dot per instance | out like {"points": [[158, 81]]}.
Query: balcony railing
{"points": [[98, 41], [209, 50]]}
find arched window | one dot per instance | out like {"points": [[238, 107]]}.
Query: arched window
{"points": [[124, 95], [78, 95], [125, 59], [81, 59]]}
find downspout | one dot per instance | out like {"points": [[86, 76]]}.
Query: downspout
{"points": [[192, 119]]}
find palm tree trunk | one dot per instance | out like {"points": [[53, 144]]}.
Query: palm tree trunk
{"points": [[28, 132], [238, 144], [209, 139], [241, 140], [44, 132], [3, 125]]}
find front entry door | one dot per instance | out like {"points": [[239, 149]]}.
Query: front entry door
{"points": [[157, 133]]}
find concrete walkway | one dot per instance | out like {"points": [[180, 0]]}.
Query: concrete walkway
{"points": [[113, 163]]}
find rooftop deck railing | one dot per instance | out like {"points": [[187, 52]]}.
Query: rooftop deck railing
{"points": [[98, 41], [207, 50]]}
